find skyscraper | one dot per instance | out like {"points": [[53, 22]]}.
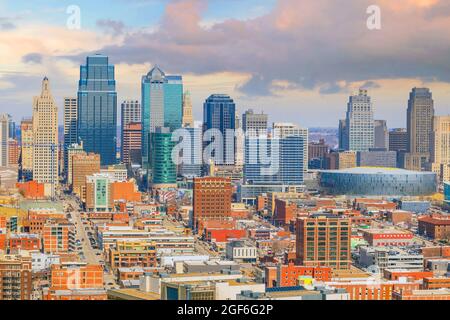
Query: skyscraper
{"points": [[286, 129], [188, 119], [257, 122], [381, 134], [26, 136], [398, 139], [219, 112], [162, 106], [130, 112], [164, 170], [4, 137], [97, 108], [132, 144], [193, 168], [359, 125], [419, 126], [70, 126], [440, 147], [45, 138]]}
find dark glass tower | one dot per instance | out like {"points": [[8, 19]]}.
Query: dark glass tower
{"points": [[219, 112], [97, 108]]}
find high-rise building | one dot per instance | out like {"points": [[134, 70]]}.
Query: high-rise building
{"points": [[188, 119], [12, 127], [420, 115], [45, 138], [83, 165], [381, 134], [359, 125], [440, 147], [340, 160], [13, 152], [164, 170], [256, 122], [285, 129], [70, 126], [219, 112], [342, 135], [4, 137], [324, 240], [377, 158], [317, 152], [130, 112], [398, 139], [97, 108], [132, 143], [162, 106], [239, 144], [26, 137], [193, 166], [274, 160], [212, 198]]}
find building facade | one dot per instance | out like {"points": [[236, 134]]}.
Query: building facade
{"points": [[45, 138], [97, 108], [70, 127]]}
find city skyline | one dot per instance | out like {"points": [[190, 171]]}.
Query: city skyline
{"points": [[298, 85]]}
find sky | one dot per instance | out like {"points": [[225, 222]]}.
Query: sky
{"points": [[297, 60]]}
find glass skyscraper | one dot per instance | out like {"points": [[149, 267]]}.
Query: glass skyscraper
{"points": [[164, 170], [219, 112], [97, 108], [274, 160], [162, 106]]}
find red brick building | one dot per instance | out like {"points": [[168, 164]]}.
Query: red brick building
{"points": [[288, 275], [435, 226], [212, 198]]}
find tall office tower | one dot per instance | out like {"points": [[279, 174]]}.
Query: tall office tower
{"points": [[239, 143], [285, 129], [219, 112], [70, 126], [212, 198], [342, 135], [130, 112], [274, 160], [164, 170], [316, 154], [4, 137], [381, 134], [324, 240], [13, 152], [12, 127], [45, 138], [193, 167], [132, 144], [83, 165], [398, 139], [359, 123], [188, 119], [162, 106], [255, 122], [440, 147], [419, 126], [26, 137], [97, 108]]}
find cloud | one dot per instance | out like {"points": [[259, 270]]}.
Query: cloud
{"points": [[6, 24], [111, 26], [308, 44], [32, 58]]}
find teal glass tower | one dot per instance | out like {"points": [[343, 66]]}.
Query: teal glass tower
{"points": [[97, 108], [164, 171], [162, 106]]}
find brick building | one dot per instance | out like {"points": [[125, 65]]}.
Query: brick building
{"points": [[15, 277]]}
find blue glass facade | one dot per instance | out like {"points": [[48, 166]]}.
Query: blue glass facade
{"points": [[219, 112], [162, 106], [97, 108], [447, 191], [283, 162], [378, 182]]}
